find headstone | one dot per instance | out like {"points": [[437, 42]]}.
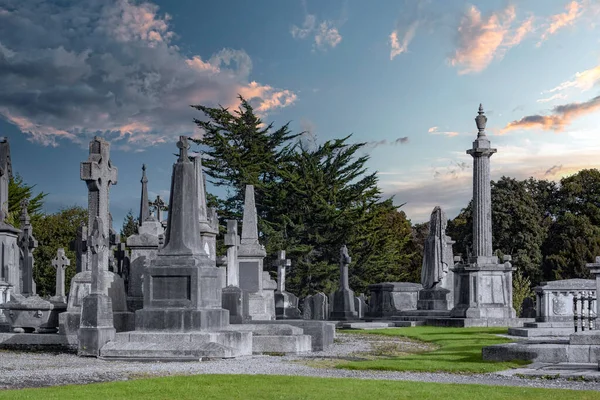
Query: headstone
{"points": [[343, 300], [307, 308], [182, 285], [144, 202], [320, 306], [232, 242], [483, 285], [97, 327], [286, 303], [437, 277], [79, 246], [360, 305], [60, 263], [251, 255], [27, 244], [208, 233], [144, 247]]}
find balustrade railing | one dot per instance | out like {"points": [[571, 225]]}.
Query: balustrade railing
{"points": [[584, 310]]}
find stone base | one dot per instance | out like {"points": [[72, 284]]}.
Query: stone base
{"points": [[233, 301], [465, 322], [286, 306], [174, 346], [68, 322], [96, 328], [276, 338], [343, 306], [181, 319], [260, 307], [435, 299], [50, 342], [544, 329], [33, 314], [322, 333], [390, 298], [135, 303]]}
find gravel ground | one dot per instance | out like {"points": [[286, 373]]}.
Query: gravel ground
{"points": [[20, 370]]}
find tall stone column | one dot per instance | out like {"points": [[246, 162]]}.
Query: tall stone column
{"points": [[5, 175], [144, 203], [482, 191], [28, 244], [483, 286], [208, 235]]}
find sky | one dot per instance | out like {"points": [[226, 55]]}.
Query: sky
{"points": [[404, 76]]}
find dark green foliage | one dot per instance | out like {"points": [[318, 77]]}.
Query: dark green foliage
{"points": [[52, 232], [18, 190], [130, 226]]}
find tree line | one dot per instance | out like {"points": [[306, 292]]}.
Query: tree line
{"points": [[313, 198]]}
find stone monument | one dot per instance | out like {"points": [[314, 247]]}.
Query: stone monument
{"points": [[483, 284], [208, 234], [286, 304], [233, 296], [144, 202], [437, 277], [99, 174], [251, 255], [5, 176], [96, 327], [27, 245], [343, 298], [60, 263]]}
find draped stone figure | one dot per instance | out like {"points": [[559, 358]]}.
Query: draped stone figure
{"points": [[437, 255]]}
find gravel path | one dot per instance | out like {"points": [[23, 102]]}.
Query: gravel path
{"points": [[19, 370]]}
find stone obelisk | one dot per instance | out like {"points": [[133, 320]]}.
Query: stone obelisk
{"points": [[483, 285], [144, 203]]}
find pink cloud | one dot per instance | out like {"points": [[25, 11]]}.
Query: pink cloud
{"points": [[399, 48], [562, 20]]}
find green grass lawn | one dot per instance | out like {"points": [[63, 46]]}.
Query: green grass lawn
{"points": [[229, 387], [459, 351]]}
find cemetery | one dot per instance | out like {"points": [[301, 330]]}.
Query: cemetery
{"points": [[190, 290]]}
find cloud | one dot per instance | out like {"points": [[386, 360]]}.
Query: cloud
{"points": [[110, 68], [434, 130], [553, 170], [582, 80], [325, 33], [481, 40], [559, 21], [561, 116], [399, 48], [557, 96]]}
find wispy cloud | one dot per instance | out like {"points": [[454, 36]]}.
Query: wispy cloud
{"points": [[557, 96], [582, 80], [401, 46], [483, 39], [434, 130], [385, 142], [325, 33], [560, 117], [110, 68], [562, 20]]}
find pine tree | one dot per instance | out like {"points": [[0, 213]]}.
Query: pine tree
{"points": [[130, 226], [18, 190]]}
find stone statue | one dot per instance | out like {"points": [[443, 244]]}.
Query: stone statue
{"points": [[437, 255]]}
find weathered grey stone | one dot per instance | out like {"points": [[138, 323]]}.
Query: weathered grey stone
{"points": [[60, 263], [79, 246], [159, 206], [307, 308], [182, 285], [483, 285], [320, 306], [170, 351], [27, 245], [232, 242], [391, 298], [234, 301], [286, 304], [294, 344], [33, 314], [343, 300], [9, 257], [5, 175], [208, 233], [144, 202], [555, 298], [96, 327], [322, 333]]}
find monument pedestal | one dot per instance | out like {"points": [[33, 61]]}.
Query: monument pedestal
{"points": [[96, 324], [343, 306], [484, 289], [81, 284], [438, 299], [286, 306], [234, 302]]}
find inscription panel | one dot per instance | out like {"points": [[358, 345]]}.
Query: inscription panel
{"points": [[171, 287]]}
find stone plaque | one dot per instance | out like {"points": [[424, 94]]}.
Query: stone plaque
{"points": [[171, 287], [250, 275]]}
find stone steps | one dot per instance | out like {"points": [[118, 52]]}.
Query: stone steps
{"points": [[170, 351], [379, 324], [293, 344], [540, 332]]}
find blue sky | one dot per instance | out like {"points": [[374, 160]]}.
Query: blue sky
{"points": [[405, 76]]}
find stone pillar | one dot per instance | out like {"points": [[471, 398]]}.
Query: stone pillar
{"points": [[483, 286], [27, 244], [97, 327], [79, 246], [144, 203], [60, 263], [232, 241], [281, 263], [5, 175], [343, 298]]}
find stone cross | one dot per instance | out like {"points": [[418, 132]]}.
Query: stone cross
{"points": [[183, 147], [144, 204], [98, 245], [345, 260], [79, 246], [159, 206], [120, 256], [482, 202], [99, 173], [281, 263], [232, 241], [27, 244], [60, 262]]}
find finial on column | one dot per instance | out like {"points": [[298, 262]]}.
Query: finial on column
{"points": [[481, 120]]}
